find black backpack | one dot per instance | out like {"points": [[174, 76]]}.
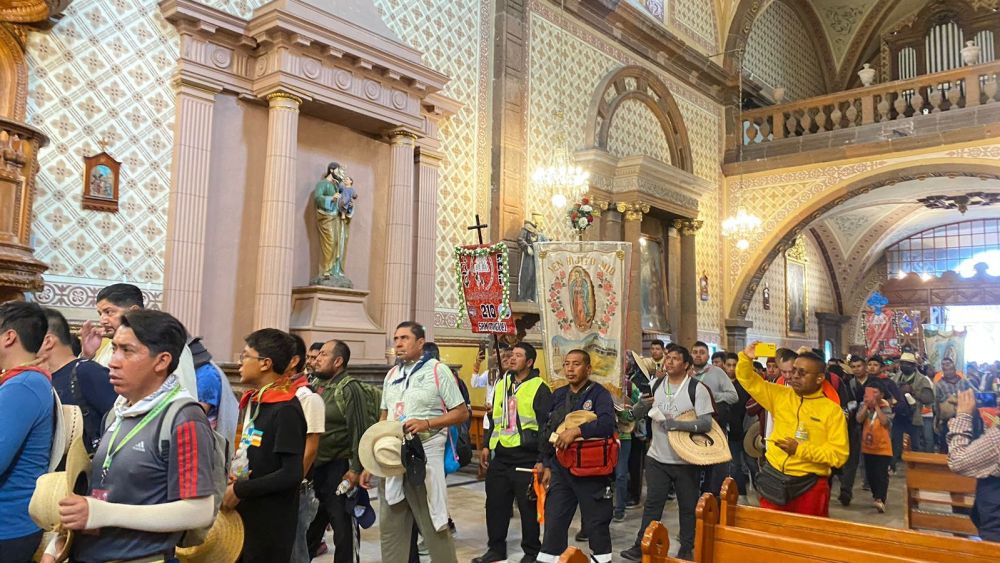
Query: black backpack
{"points": [[463, 449]]}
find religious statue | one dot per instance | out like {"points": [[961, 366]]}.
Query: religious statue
{"points": [[334, 197], [530, 234]]}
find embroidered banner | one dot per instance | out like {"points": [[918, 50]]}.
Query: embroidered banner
{"points": [[583, 292], [880, 333], [942, 342], [483, 277]]}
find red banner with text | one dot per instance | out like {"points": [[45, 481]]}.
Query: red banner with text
{"points": [[483, 275]]}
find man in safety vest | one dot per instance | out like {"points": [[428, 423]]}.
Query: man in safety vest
{"points": [[521, 404]]}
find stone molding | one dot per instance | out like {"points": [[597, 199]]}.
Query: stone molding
{"points": [[299, 49], [660, 185]]}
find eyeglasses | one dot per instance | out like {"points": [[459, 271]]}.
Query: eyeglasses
{"points": [[245, 356]]}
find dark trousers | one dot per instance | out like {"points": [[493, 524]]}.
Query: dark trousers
{"points": [[593, 495], [849, 472], [900, 427], [504, 487], [20, 550], [736, 466], [877, 469], [636, 459], [333, 511], [685, 481]]}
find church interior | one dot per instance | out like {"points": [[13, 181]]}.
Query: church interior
{"points": [[819, 173]]}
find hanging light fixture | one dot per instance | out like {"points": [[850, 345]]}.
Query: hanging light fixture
{"points": [[743, 225], [560, 176]]}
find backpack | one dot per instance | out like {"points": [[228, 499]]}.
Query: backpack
{"points": [[373, 399], [221, 458], [463, 447]]}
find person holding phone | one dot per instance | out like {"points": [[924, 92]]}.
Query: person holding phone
{"points": [[977, 457], [875, 417]]}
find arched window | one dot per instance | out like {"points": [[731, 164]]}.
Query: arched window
{"points": [[958, 247]]}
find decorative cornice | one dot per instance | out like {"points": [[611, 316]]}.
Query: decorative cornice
{"points": [[687, 227], [632, 211]]}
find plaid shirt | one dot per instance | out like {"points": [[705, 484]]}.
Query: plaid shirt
{"points": [[978, 458]]}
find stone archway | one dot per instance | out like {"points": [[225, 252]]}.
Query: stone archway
{"points": [[638, 83], [784, 236]]}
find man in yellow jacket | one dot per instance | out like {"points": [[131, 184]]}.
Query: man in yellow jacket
{"points": [[809, 438]]}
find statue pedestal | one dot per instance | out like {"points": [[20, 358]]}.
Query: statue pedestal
{"points": [[325, 313]]}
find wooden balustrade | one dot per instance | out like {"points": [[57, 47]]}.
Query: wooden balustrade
{"points": [[932, 93]]}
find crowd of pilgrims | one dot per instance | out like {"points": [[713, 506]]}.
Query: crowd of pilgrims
{"points": [[167, 465]]}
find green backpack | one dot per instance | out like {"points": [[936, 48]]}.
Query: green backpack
{"points": [[372, 394]]}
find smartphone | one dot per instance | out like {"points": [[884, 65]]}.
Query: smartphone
{"points": [[765, 350], [870, 394], [986, 399]]}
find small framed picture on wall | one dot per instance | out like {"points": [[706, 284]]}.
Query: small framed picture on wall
{"points": [[100, 182]]}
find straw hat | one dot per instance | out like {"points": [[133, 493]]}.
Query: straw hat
{"points": [[753, 442], [52, 487], [223, 544], [646, 365], [68, 427], [710, 448], [908, 357], [380, 449], [576, 419]]}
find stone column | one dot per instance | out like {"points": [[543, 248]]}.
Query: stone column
{"points": [[187, 211], [736, 334], [399, 276], [673, 281], [687, 332], [428, 164], [632, 213], [276, 253]]}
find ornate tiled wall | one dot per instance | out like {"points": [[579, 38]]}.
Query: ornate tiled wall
{"points": [[454, 38], [241, 8], [635, 130], [581, 59], [780, 53], [101, 79], [693, 21], [771, 324]]}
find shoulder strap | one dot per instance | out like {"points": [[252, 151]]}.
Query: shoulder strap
{"points": [[74, 388], [693, 387], [165, 431], [656, 385]]}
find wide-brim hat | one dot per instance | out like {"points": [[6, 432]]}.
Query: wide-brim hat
{"points": [[223, 544], [380, 449], [908, 357], [710, 448], [68, 428], [753, 442], [52, 487], [576, 419], [646, 365]]}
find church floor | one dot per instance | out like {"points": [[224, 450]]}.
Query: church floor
{"points": [[467, 499]]}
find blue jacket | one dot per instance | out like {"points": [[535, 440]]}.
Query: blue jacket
{"points": [[596, 399], [26, 427]]}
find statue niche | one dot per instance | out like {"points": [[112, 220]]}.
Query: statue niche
{"points": [[334, 197]]}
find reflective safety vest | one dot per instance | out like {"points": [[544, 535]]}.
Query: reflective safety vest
{"points": [[506, 429]]}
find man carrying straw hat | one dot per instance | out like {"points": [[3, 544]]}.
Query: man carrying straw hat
{"points": [[141, 498], [671, 409], [26, 418]]}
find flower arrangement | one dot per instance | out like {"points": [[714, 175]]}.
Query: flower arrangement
{"points": [[581, 216]]}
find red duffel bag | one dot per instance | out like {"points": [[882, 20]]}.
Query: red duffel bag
{"points": [[590, 458]]}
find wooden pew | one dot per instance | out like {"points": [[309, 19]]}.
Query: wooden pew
{"points": [[655, 547], [931, 484], [915, 546], [725, 544]]}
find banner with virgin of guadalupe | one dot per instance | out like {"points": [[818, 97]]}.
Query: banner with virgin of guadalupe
{"points": [[942, 342], [583, 293]]}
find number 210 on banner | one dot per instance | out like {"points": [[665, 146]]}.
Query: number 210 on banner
{"points": [[484, 286]]}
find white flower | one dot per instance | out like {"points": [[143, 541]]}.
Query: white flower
{"points": [[586, 208], [582, 223]]}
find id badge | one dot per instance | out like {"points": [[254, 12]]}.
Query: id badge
{"points": [[100, 494], [398, 410], [511, 413]]}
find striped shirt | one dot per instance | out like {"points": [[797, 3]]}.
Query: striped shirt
{"points": [[979, 458]]}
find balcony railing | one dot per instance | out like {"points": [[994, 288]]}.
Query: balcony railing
{"points": [[932, 93]]}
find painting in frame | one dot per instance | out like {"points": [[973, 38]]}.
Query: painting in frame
{"points": [[101, 178], [795, 296]]}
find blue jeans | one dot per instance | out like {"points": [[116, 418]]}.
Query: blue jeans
{"points": [[621, 476], [308, 505]]}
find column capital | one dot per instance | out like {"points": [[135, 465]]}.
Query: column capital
{"points": [[402, 136], [632, 211], [687, 227], [599, 206], [283, 99], [427, 157], [196, 88]]}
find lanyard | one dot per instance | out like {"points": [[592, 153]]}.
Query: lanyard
{"points": [[260, 395], [113, 451]]}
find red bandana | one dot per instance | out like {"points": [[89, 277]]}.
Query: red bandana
{"points": [[281, 390], [13, 372]]}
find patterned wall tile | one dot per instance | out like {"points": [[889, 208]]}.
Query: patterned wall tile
{"points": [[636, 131], [695, 19], [780, 53], [454, 38], [240, 8], [100, 79]]}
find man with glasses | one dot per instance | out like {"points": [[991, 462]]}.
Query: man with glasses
{"points": [[809, 438]]}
